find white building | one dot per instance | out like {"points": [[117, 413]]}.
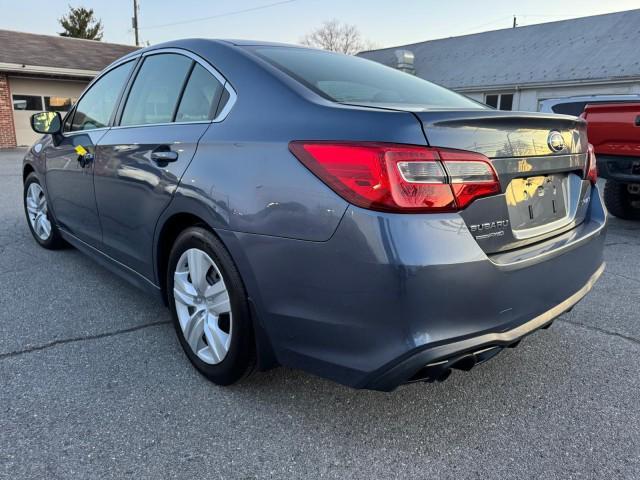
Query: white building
{"points": [[517, 68]]}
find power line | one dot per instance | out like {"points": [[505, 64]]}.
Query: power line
{"points": [[492, 22], [227, 14]]}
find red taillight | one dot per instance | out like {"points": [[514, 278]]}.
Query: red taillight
{"points": [[399, 178], [592, 165]]}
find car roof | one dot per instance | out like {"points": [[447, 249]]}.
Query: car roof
{"points": [[187, 43], [255, 43]]}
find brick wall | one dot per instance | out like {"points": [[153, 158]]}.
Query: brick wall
{"points": [[7, 129]]}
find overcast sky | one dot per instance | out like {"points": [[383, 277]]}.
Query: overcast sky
{"points": [[383, 22]]}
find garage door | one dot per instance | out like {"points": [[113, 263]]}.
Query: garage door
{"points": [[31, 95]]}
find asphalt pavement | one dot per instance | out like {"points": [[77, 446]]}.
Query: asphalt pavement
{"points": [[94, 385]]}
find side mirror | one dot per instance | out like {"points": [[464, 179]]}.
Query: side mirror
{"points": [[46, 122]]}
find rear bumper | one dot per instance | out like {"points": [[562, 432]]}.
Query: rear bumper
{"points": [[619, 168], [388, 294], [436, 362]]}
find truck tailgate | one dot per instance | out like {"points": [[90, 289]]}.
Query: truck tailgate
{"points": [[614, 128]]}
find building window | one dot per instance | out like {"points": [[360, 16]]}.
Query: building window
{"points": [[27, 102], [58, 104], [501, 101]]}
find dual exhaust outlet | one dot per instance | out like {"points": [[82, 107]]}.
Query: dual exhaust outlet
{"points": [[440, 370]]}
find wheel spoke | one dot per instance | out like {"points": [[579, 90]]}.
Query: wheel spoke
{"points": [[198, 267], [32, 205], [194, 328], [217, 339], [33, 193], [213, 291], [220, 304], [45, 226], [183, 291], [38, 225], [42, 226]]}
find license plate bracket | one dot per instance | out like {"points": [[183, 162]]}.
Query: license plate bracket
{"points": [[535, 202]]}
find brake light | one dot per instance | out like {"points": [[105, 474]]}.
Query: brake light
{"points": [[592, 165], [399, 178]]}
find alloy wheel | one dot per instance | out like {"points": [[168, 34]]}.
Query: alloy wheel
{"points": [[37, 211], [203, 306]]}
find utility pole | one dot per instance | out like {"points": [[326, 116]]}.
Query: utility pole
{"points": [[514, 23], [134, 21]]}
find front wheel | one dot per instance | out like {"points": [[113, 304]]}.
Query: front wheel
{"points": [[209, 307], [620, 201], [39, 217]]}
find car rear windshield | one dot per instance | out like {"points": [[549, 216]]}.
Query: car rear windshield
{"points": [[348, 79]]}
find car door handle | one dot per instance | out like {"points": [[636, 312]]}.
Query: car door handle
{"points": [[638, 121], [164, 155], [85, 160]]}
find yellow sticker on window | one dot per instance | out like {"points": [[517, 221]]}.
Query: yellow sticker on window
{"points": [[80, 150]]}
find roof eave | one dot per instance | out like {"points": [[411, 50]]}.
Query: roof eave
{"points": [[43, 70], [560, 83]]}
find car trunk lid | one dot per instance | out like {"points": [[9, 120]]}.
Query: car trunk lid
{"points": [[540, 160]]}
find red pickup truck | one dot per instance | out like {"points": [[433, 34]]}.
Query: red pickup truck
{"points": [[614, 132]]}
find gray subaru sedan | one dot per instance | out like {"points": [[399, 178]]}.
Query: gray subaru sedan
{"points": [[304, 208]]}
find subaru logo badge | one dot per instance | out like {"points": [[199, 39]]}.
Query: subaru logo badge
{"points": [[555, 141]]}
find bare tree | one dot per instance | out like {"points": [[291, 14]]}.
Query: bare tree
{"points": [[337, 37]]}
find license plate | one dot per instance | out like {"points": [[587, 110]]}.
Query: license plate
{"points": [[536, 201]]}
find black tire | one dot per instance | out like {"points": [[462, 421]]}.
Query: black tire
{"points": [[240, 359], [620, 202], [54, 241]]}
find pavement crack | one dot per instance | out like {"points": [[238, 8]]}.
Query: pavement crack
{"points": [[602, 330], [64, 341], [612, 244], [631, 279]]}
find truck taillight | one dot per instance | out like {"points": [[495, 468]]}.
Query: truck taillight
{"points": [[592, 166], [399, 178]]}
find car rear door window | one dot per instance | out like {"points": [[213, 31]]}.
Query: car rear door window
{"points": [[96, 106], [155, 92], [201, 97]]}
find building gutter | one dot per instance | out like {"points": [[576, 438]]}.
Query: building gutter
{"points": [[52, 71], [566, 83]]}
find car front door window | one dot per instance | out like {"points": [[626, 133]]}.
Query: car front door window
{"points": [[97, 105]]}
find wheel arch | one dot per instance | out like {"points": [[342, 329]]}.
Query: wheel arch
{"points": [[168, 230], [171, 228], [27, 170]]}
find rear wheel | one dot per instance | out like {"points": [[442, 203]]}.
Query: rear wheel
{"points": [[39, 217], [209, 307], [622, 200]]}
